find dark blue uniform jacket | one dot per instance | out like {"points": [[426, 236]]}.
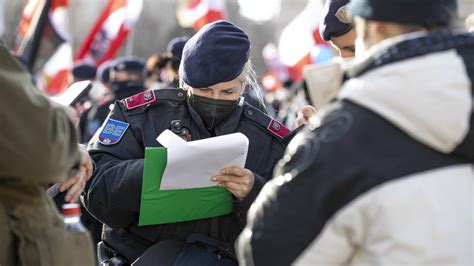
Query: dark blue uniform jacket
{"points": [[114, 193]]}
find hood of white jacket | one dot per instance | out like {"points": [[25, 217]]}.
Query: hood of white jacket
{"points": [[429, 97]]}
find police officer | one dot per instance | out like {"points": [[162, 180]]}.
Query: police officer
{"points": [[215, 73], [124, 77], [127, 77], [38, 147], [337, 27]]}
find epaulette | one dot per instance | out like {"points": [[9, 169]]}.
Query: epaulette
{"points": [[152, 96], [273, 126]]}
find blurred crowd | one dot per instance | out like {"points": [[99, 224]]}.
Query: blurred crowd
{"points": [[365, 159]]}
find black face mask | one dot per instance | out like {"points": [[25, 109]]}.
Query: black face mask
{"points": [[212, 111], [124, 89]]}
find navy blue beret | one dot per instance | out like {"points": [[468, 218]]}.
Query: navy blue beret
{"points": [[129, 63], [176, 45], [428, 13], [337, 20], [103, 72], [84, 71], [216, 53]]}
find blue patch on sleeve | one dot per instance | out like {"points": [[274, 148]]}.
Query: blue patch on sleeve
{"points": [[112, 132]]}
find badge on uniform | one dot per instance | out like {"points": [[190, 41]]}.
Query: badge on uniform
{"points": [[140, 99], [112, 132], [278, 128]]}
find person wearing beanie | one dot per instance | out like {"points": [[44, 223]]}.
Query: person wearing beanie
{"points": [[337, 27], [384, 175], [216, 76]]}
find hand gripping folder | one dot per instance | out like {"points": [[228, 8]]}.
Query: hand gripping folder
{"points": [[177, 183]]}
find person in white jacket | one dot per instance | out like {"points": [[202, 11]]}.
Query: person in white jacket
{"points": [[384, 175]]}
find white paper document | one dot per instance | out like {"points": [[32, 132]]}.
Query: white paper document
{"points": [[192, 164]]}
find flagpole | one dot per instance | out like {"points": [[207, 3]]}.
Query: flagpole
{"points": [[129, 45]]}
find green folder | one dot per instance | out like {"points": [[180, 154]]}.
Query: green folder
{"points": [[177, 205]]}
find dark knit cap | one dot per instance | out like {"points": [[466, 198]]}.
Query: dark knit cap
{"points": [[427, 13]]}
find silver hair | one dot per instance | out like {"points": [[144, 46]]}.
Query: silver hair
{"points": [[255, 90]]}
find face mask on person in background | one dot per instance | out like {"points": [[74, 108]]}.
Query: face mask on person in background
{"points": [[124, 89], [213, 111]]}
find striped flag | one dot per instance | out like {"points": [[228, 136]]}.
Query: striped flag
{"points": [[55, 73], [299, 37], [43, 44], [27, 40], [111, 29], [197, 13]]}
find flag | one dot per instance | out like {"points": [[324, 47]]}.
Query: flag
{"points": [[109, 32], [54, 74], [299, 37], [197, 13], [27, 40]]}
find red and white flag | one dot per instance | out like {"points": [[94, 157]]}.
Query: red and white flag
{"points": [[42, 43], [110, 31], [197, 13], [27, 40], [55, 75], [299, 37]]}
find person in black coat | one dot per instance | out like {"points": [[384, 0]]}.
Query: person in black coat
{"points": [[216, 78]]}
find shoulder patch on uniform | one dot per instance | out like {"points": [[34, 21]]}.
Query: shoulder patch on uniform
{"points": [[153, 96], [140, 99], [272, 126], [112, 131], [278, 128]]}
